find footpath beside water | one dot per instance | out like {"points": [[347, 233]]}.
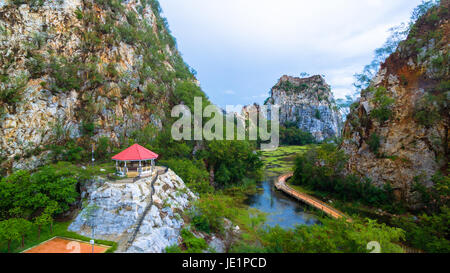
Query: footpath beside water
{"points": [[281, 185]]}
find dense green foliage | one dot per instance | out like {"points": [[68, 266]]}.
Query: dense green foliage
{"points": [[193, 173], [36, 197], [231, 161], [290, 134], [23, 194], [430, 230], [333, 236], [36, 236], [320, 169], [430, 233], [190, 244]]}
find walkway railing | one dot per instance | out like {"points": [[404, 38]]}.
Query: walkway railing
{"points": [[280, 184]]}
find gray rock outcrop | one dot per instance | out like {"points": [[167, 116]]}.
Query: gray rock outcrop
{"points": [[309, 103], [114, 208]]}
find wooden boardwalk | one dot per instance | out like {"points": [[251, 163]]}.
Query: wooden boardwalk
{"points": [[281, 185]]}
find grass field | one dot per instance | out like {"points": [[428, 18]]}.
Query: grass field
{"points": [[281, 160]]}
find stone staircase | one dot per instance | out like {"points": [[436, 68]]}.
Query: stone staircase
{"points": [[127, 239]]}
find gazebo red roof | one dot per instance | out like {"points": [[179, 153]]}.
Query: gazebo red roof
{"points": [[135, 153]]}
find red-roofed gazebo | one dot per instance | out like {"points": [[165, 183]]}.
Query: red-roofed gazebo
{"points": [[135, 155]]}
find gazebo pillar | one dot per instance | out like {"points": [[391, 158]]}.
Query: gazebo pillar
{"points": [[140, 168], [125, 168]]}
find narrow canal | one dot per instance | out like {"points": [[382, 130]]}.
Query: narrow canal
{"points": [[282, 210]]}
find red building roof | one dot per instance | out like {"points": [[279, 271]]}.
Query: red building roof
{"points": [[135, 153]]}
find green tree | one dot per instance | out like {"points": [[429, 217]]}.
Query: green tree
{"points": [[51, 210], [102, 148], [321, 169], [290, 134], [23, 227], [193, 173], [9, 231], [231, 161], [42, 220]]}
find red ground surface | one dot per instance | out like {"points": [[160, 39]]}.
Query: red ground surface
{"points": [[60, 245]]}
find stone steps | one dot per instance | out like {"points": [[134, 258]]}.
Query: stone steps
{"points": [[127, 240]]}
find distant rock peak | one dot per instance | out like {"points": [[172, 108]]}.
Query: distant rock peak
{"points": [[309, 103]]}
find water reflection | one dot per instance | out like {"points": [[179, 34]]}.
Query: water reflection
{"points": [[282, 210]]}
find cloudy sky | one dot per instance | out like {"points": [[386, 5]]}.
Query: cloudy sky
{"points": [[240, 48]]}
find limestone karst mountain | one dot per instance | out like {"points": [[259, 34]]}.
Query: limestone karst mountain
{"points": [[309, 103], [83, 69], [398, 133]]}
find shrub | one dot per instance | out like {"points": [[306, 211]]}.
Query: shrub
{"points": [[201, 223], [69, 152], [36, 65], [374, 143], [102, 148], [427, 113], [87, 128], [213, 208], [428, 232], [132, 18], [11, 90], [186, 91], [127, 33], [65, 75], [173, 249], [192, 243], [317, 114], [32, 3], [193, 173], [383, 102]]}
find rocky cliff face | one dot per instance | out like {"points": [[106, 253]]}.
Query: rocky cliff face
{"points": [[398, 133], [72, 68], [115, 207], [309, 103]]}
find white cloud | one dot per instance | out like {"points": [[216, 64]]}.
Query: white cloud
{"points": [[229, 92], [262, 95], [246, 45]]}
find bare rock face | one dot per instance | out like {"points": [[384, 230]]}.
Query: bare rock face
{"points": [[115, 207], [398, 133], [71, 63], [309, 103]]}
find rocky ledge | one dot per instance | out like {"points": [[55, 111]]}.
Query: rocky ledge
{"points": [[115, 208]]}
